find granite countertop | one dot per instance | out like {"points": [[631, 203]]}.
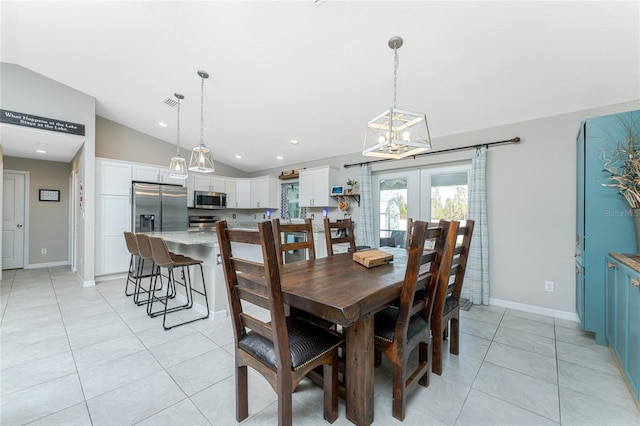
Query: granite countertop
{"points": [[187, 237], [193, 237], [630, 260]]}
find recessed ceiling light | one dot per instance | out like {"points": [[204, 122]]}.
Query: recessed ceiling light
{"points": [[238, 156], [41, 151], [293, 141], [161, 124], [279, 157]]}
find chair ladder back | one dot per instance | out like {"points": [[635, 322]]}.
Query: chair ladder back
{"points": [[445, 265], [225, 236], [280, 230], [280, 336], [409, 304], [346, 226]]}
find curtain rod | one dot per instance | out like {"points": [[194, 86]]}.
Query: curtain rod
{"points": [[442, 151]]}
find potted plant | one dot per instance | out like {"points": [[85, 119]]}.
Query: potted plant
{"points": [[622, 164], [351, 183]]}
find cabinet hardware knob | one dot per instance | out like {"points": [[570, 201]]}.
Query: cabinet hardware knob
{"points": [[577, 271], [610, 265], [635, 282]]}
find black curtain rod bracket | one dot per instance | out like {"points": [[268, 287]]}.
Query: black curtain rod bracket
{"points": [[442, 151]]}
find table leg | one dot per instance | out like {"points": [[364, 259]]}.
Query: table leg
{"points": [[359, 366]]}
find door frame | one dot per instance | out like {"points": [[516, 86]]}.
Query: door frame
{"points": [[25, 236]]}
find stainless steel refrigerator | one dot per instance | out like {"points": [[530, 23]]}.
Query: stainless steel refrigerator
{"points": [[158, 207]]}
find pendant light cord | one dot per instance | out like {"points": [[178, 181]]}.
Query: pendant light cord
{"points": [[178, 127], [395, 75], [201, 110]]}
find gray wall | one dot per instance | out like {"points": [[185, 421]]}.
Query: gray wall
{"points": [[26, 91], [531, 203], [48, 221], [123, 143]]}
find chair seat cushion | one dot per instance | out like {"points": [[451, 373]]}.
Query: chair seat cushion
{"points": [[385, 324], [308, 341], [450, 304]]}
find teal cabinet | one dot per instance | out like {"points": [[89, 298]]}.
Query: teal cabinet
{"points": [[623, 315], [603, 222]]}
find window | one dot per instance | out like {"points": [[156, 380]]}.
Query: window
{"points": [[290, 205], [395, 200], [448, 189]]}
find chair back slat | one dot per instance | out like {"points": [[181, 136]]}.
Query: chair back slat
{"points": [[281, 230], [257, 284], [260, 327], [345, 227]]}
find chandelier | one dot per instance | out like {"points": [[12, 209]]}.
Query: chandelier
{"points": [[396, 133]]}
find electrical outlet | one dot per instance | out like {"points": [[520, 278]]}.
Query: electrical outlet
{"points": [[43, 251], [548, 286]]}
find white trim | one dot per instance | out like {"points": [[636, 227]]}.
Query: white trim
{"points": [[47, 264], [111, 277], [90, 283], [569, 316]]}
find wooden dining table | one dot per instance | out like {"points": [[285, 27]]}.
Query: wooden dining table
{"points": [[346, 293]]}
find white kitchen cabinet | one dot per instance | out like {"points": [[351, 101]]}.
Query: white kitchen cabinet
{"points": [[230, 189], [113, 256], [154, 174], [114, 177], [265, 193], [243, 194], [315, 187], [146, 173]]}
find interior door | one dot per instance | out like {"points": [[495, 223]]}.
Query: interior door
{"points": [[13, 216]]}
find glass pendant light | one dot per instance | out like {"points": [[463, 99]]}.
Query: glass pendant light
{"points": [[178, 165], [396, 133], [201, 156]]}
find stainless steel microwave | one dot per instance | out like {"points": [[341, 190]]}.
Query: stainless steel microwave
{"points": [[209, 200]]}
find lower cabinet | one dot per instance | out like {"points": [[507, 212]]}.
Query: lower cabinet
{"points": [[622, 301]]}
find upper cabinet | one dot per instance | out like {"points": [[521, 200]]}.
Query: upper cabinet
{"points": [[265, 193], [154, 174], [243, 194], [114, 178], [315, 187], [206, 183]]}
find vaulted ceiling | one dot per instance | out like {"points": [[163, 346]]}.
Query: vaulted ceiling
{"points": [[317, 71]]}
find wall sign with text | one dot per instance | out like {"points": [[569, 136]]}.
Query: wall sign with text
{"points": [[41, 123]]}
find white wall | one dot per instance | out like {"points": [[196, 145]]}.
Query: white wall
{"points": [[531, 196]]}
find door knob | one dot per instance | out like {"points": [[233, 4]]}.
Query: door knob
{"points": [[19, 225]]}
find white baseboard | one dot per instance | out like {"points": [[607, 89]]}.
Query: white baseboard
{"points": [[112, 277], [89, 283], [47, 264], [569, 316]]}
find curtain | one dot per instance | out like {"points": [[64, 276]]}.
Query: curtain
{"points": [[476, 287], [365, 227]]}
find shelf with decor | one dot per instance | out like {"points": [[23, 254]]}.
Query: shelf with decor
{"points": [[343, 197]]}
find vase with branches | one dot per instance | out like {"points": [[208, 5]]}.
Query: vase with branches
{"points": [[622, 166]]}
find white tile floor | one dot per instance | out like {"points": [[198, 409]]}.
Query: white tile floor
{"points": [[80, 356]]}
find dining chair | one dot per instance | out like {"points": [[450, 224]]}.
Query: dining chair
{"points": [[283, 349], [164, 259], [400, 329], [339, 233], [134, 262], [447, 304], [281, 232]]}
